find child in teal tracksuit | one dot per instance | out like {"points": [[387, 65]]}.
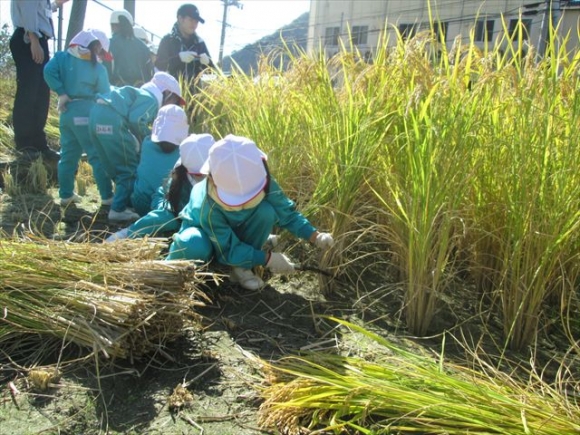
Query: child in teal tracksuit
{"points": [[231, 214], [159, 152], [174, 194], [77, 76], [118, 124]]}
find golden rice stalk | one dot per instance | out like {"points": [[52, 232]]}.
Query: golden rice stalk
{"points": [[123, 307], [403, 392], [37, 177], [84, 178], [11, 186]]}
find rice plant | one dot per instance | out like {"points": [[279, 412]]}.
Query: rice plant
{"points": [[84, 178], [456, 160], [526, 215], [404, 392]]}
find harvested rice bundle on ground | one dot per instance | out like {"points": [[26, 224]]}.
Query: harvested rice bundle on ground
{"points": [[402, 392], [75, 293]]}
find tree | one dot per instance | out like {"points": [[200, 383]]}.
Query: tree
{"points": [[77, 19]]}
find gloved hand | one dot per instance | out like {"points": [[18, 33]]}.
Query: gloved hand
{"points": [[324, 240], [279, 263], [62, 102], [187, 56], [204, 59]]}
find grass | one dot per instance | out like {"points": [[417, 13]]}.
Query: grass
{"points": [[403, 392], [458, 162]]}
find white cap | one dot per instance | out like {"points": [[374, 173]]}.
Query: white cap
{"points": [[170, 125], [140, 33], [236, 165], [122, 12], [166, 82], [83, 38], [193, 152], [102, 37]]}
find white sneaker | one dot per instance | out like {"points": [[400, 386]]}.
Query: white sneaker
{"points": [[123, 216], [108, 201], [121, 234], [246, 278], [72, 199], [271, 242]]}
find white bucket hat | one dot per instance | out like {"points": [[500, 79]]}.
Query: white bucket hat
{"points": [[102, 37], [236, 165], [85, 37], [122, 12], [140, 33], [193, 152], [170, 125], [166, 82]]}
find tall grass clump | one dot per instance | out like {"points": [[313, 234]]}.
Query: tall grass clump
{"points": [[425, 172], [450, 161], [526, 190], [322, 127], [403, 392]]}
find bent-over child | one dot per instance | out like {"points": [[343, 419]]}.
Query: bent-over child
{"points": [[231, 214], [118, 124], [174, 194]]}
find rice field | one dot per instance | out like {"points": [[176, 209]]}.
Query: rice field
{"points": [[435, 170]]}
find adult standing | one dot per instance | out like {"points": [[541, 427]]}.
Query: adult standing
{"points": [[182, 52], [33, 27], [132, 64]]}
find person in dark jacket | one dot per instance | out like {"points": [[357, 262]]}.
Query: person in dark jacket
{"points": [[132, 64], [182, 53]]}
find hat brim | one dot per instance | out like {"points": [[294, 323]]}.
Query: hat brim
{"points": [[238, 200], [205, 167]]}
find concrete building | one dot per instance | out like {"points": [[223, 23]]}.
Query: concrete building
{"points": [[361, 23]]}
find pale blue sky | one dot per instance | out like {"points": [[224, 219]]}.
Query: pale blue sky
{"points": [[258, 18]]}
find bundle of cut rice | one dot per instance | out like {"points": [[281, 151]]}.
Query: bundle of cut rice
{"points": [[120, 302]]}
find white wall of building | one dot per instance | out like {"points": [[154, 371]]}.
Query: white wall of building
{"points": [[485, 21]]}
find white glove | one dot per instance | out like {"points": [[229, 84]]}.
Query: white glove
{"points": [[187, 56], [324, 240], [204, 59], [119, 235], [62, 102], [279, 263]]}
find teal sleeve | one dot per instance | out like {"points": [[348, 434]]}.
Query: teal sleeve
{"points": [[289, 218], [103, 83], [52, 75], [142, 115]]}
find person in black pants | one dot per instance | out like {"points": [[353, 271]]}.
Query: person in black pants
{"points": [[29, 47]]}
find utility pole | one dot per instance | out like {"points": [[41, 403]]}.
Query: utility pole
{"points": [[227, 4], [129, 6]]}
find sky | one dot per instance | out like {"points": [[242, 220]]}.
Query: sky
{"points": [[256, 19]]}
